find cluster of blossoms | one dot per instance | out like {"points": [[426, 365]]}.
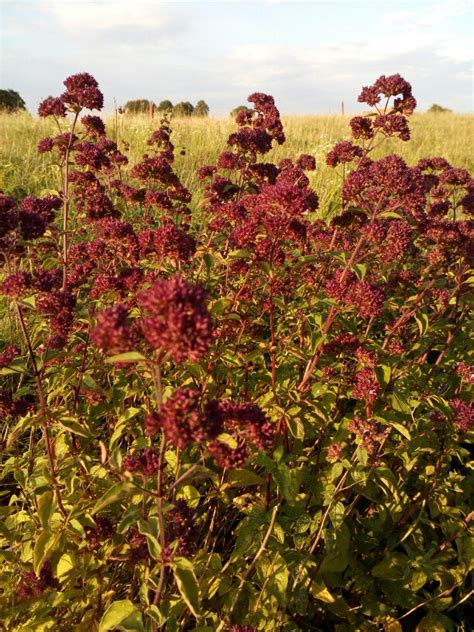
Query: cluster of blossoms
{"points": [[181, 528], [104, 530], [59, 306], [82, 91], [26, 221], [462, 415], [257, 128], [145, 462], [8, 355], [366, 386], [367, 298], [371, 435], [13, 407], [175, 320], [387, 185], [388, 121], [31, 585], [184, 422]]}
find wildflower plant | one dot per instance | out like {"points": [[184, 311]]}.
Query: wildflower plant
{"points": [[240, 417]]}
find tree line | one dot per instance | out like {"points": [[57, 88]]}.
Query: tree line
{"points": [[183, 108]]}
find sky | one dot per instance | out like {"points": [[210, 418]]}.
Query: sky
{"points": [[310, 55]]}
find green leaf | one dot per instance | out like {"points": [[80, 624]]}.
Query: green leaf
{"points": [[383, 373], [75, 427], [208, 260], [130, 356], [360, 269], [239, 254], [46, 507], [265, 267], [187, 583], [288, 482], [243, 478], [116, 614], [65, 565], [217, 307], [41, 548], [190, 494], [154, 547], [395, 424], [319, 591], [391, 214], [393, 567], [154, 613], [422, 322], [112, 495], [400, 402]]}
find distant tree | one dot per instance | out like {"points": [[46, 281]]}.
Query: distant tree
{"points": [[183, 108], [139, 106], [201, 109], [165, 106], [438, 108], [10, 101], [238, 109]]}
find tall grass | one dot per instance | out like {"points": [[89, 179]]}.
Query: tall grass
{"points": [[23, 171]]}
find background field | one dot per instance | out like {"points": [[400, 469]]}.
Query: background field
{"points": [[23, 171]]}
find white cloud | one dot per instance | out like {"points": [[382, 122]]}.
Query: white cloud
{"points": [[429, 14], [141, 23], [107, 14]]}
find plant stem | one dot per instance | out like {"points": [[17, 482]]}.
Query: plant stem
{"points": [[44, 412], [66, 203], [253, 564]]}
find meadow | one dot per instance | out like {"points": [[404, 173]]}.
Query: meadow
{"points": [[236, 369], [23, 170]]}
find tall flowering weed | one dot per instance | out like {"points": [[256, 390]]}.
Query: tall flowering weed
{"points": [[237, 416]]}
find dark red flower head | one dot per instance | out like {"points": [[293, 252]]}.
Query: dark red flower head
{"points": [[82, 91], [176, 319], [52, 106]]}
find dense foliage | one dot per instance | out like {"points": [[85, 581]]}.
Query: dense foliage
{"points": [[438, 109], [139, 106], [237, 417], [11, 101]]}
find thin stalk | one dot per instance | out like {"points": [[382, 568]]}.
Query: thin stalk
{"points": [[156, 371], [253, 564], [66, 204], [44, 412], [328, 322]]}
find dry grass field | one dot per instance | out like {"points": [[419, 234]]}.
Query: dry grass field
{"points": [[23, 171]]}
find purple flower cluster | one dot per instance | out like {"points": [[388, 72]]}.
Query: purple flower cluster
{"points": [[386, 185], [112, 332], [29, 221], [181, 420], [343, 152], [366, 386], [181, 528], [8, 355], [104, 530], [367, 298], [144, 462], [175, 318], [463, 414], [10, 407], [59, 306], [371, 434], [184, 422], [391, 86], [82, 91], [31, 585]]}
